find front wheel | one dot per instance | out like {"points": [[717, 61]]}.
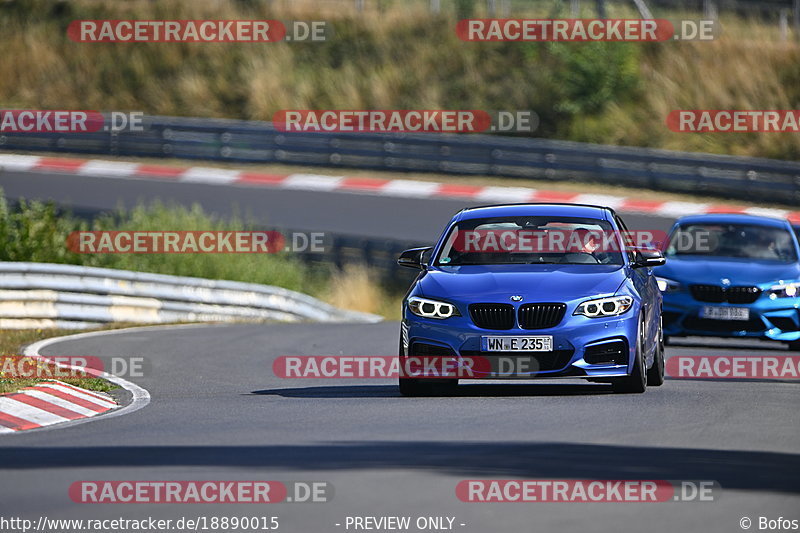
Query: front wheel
{"points": [[411, 387], [636, 382]]}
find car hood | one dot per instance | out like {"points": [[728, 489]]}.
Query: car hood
{"points": [[532, 282], [709, 270]]}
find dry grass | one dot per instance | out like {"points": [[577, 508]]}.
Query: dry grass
{"points": [[393, 55], [355, 287]]}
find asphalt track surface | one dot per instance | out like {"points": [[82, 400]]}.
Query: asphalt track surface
{"points": [[219, 413], [343, 213]]}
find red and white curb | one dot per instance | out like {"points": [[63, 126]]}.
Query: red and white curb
{"points": [[384, 187], [48, 403], [66, 404]]}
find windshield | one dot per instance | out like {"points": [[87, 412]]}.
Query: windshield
{"points": [[531, 240], [740, 241]]}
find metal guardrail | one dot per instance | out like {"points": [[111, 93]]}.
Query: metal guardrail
{"points": [[37, 295], [259, 142]]}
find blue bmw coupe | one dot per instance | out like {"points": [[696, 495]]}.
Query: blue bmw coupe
{"points": [[732, 275], [529, 291]]}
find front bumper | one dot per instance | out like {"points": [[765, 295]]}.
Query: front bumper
{"points": [[460, 339], [776, 319]]}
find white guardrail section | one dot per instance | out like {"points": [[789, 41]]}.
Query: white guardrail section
{"points": [[45, 295]]}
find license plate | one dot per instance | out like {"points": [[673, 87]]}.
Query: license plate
{"points": [[725, 313], [540, 343]]}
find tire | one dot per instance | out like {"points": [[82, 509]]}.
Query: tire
{"points": [[655, 375], [636, 383], [411, 387]]}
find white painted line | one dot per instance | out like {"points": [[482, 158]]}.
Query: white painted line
{"points": [[91, 371], [55, 400], [311, 182], [404, 188], [766, 212], [215, 176], [18, 162], [679, 209], [603, 200], [506, 194], [108, 169], [100, 402], [29, 412]]}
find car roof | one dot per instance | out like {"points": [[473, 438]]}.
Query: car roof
{"points": [[534, 209], [734, 218]]}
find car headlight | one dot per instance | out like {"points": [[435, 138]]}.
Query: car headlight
{"points": [[613, 306], [668, 285], [431, 308], [784, 290]]}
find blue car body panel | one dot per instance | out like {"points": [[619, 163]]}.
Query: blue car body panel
{"points": [[570, 284], [770, 318]]}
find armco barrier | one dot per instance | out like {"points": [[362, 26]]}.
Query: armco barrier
{"points": [[259, 142], [36, 295]]}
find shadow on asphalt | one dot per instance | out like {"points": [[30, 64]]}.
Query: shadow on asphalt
{"points": [[732, 469], [750, 345], [472, 390]]}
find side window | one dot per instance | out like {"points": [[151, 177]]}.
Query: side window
{"points": [[627, 239]]}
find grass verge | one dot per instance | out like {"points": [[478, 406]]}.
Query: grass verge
{"points": [[12, 343], [37, 232], [397, 55]]}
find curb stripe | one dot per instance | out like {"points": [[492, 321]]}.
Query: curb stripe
{"points": [[14, 423], [403, 188], [55, 400], [29, 413], [60, 163], [209, 175], [83, 402], [50, 407], [86, 392], [159, 171]]}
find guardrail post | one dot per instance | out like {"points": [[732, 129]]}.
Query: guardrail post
{"points": [[796, 10], [601, 9]]}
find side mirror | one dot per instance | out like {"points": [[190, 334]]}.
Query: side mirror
{"points": [[648, 258], [413, 258]]}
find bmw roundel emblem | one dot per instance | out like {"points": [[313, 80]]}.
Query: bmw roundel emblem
{"points": [[516, 298]]}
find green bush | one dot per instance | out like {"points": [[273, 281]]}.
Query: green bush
{"points": [[37, 232]]}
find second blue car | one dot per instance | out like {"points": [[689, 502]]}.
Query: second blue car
{"points": [[732, 275]]}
